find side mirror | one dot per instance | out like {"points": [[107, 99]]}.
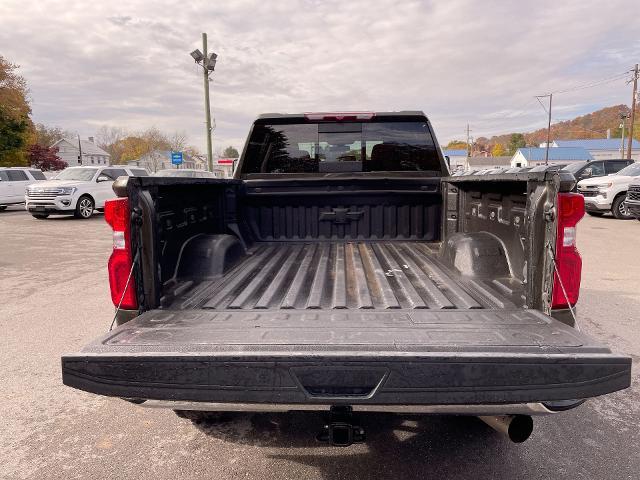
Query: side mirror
{"points": [[104, 178], [587, 173], [448, 160]]}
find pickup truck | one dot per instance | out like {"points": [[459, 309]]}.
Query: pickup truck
{"points": [[632, 201], [342, 270]]}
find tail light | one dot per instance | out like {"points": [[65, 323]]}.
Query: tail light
{"points": [[569, 264], [116, 213]]}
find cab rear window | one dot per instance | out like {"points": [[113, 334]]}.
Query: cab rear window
{"points": [[399, 146]]}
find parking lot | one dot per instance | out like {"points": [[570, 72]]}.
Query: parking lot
{"points": [[53, 283]]}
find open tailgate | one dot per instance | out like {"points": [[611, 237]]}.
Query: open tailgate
{"points": [[374, 357]]}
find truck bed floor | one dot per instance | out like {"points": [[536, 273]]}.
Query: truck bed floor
{"points": [[346, 275]]}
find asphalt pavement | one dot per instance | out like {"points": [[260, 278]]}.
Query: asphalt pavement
{"points": [[55, 298]]}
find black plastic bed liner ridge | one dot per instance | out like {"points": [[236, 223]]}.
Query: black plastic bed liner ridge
{"points": [[347, 275]]}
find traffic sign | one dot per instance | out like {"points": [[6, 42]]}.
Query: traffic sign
{"points": [[176, 158]]}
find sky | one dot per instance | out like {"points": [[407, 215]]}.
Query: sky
{"points": [[127, 63]]}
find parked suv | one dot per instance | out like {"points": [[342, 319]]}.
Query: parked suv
{"points": [[607, 194], [76, 191], [633, 199], [596, 168], [14, 182]]}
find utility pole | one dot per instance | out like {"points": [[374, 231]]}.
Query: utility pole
{"points": [[468, 143], [80, 150], [207, 106], [633, 112], [538, 97], [546, 153]]}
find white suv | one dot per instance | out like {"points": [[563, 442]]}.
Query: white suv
{"points": [[607, 194], [76, 191], [14, 182]]}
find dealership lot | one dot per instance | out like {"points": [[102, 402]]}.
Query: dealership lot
{"points": [[56, 299]]}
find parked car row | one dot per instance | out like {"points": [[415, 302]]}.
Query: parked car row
{"points": [[14, 182], [77, 191]]}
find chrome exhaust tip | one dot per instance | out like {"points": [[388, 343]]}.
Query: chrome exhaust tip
{"points": [[517, 428]]}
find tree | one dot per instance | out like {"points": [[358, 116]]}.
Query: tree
{"points": [[230, 152], [516, 141], [456, 145], [498, 150], [45, 158], [109, 139], [16, 128], [47, 136], [177, 141]]}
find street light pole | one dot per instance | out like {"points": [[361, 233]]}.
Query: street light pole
{"points": [[208, 63], [207, 105], [623, 116]]}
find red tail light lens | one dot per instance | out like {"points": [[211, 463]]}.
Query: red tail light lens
{"points": [[568, 261], [116, 213]]}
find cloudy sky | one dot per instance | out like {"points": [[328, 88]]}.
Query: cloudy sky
{"points": [[481, 62]]}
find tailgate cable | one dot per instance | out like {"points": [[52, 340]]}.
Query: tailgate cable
{"points": [[564, 292], [126, 285]]}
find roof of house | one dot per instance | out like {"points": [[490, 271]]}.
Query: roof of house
{"points": [[455, 153], [596, 143], [555, 153], [88, 148], [489, 161]]}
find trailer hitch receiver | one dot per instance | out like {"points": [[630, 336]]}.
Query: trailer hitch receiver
{"points": [[342, 429]]}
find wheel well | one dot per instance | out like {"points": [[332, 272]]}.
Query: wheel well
{"points": [[620, 194], [87, 195]]}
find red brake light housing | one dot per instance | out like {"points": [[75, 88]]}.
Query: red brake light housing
{"points": [[570, 208], [117, 215], [339, 116]]}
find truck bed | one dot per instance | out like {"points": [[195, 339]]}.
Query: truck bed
{"points": [[358, 291], [347, 275]]}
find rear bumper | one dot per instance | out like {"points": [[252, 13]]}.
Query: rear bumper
{"points": [[476, 410]]}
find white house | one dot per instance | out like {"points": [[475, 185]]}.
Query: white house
{"points": [[480, 163], [161, 160], [69, 151], [534, 156], [457, 159], [601, 148]]}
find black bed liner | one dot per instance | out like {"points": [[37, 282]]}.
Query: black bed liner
{"points": [[348, 275]]}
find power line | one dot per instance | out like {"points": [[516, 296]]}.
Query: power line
{"points": [[594, 83]]}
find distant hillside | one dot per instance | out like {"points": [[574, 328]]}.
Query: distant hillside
{"points": [[592, 125]]}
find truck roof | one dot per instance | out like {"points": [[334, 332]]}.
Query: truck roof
{"points": [[402, 113]]}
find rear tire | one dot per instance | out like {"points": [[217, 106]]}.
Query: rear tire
{"points": [[40, 216], [619, 210], [84, 207], [595, 214]]}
